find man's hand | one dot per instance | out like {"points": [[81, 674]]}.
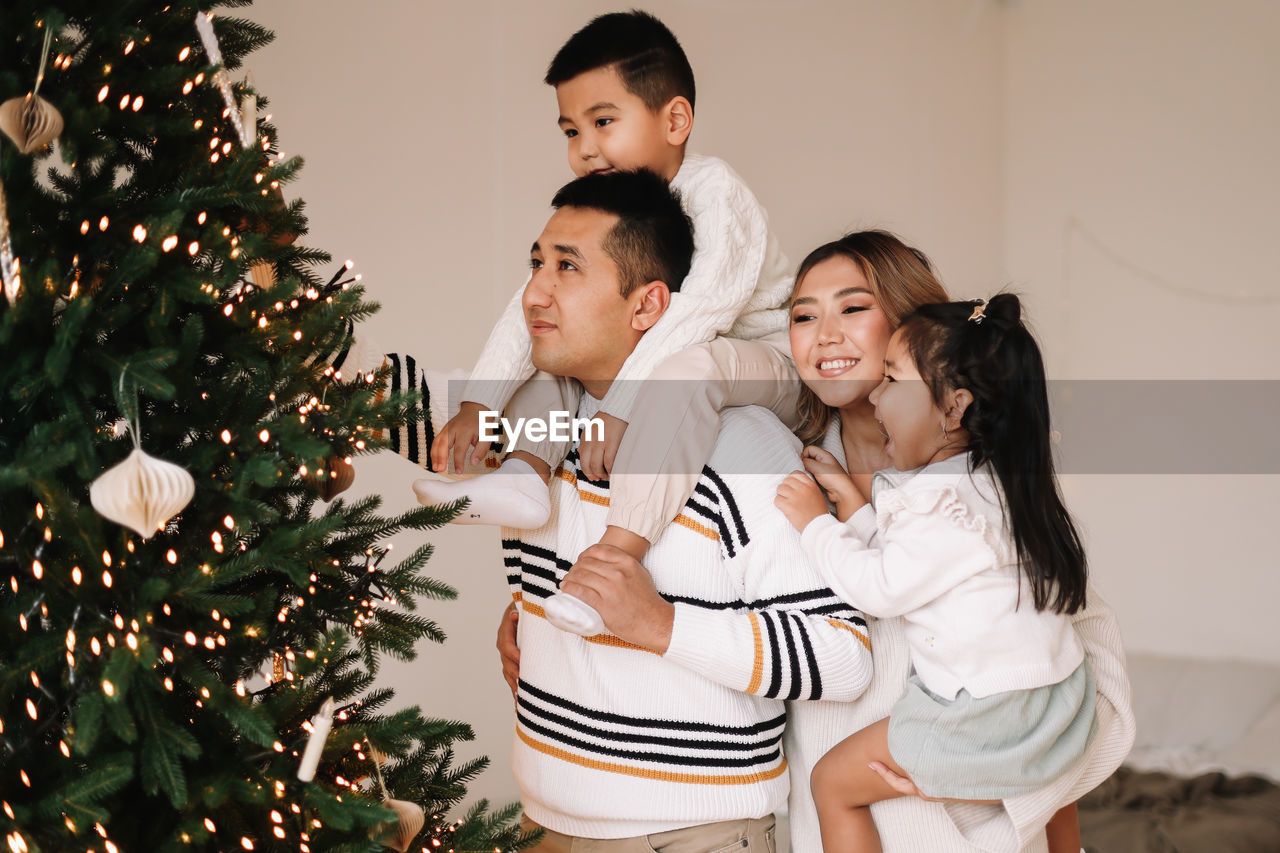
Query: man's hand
{"points": [[834, 480], [620, 589], [508, 650], [800, 500], [459, 435], [596, 456]]}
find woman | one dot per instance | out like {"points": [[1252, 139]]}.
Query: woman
{"points": [[849, 297]]}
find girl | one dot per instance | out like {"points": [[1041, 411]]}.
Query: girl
{"points": [[973, 547]]}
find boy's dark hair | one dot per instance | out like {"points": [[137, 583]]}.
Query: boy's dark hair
{"points": [[649, 60], [998, 362], [653, 239]]}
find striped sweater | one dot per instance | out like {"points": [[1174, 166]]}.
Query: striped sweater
{"points": [[613, 740]]}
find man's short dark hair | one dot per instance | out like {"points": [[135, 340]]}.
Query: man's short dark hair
{"points": [[653, 239], [649, 60]]}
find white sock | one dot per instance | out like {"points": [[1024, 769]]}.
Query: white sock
{"points": [[569, 613], [512, 496]]}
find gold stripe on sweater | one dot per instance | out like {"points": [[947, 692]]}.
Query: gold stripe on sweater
{"points": [[866, 641], [655, 775], [757, 670]]}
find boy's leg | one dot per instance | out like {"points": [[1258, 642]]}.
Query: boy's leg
{"points": [[844, 787], [676, 419], [669, 439], [515, 495]]}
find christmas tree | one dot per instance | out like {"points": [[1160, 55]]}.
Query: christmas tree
{"points": [[186, 632]]}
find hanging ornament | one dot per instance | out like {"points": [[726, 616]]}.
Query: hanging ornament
{"points": [[142, 492], [204, 25], [410, 817], [10, 267], [337, 477], [31, 121]]}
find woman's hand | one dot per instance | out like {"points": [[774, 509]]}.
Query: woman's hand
{"points": [[834, 480], [800, 500], [508, 651]]}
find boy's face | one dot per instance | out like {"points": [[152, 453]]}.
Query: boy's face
{"points": [[610, 129]]}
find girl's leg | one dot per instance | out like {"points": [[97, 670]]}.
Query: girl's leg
{"points": [[1063, 831], [515, 495], [676, 419], [844, 788]]}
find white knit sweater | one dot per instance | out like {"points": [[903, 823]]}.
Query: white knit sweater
{"points": [[613, 740], [910, 825], [937, 550], [738, 285]]}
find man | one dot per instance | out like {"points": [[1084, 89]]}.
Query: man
{"points": [[666, 732]]}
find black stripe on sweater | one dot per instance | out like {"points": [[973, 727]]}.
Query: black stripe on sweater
{"points": [[767, 760], [650, 723]]}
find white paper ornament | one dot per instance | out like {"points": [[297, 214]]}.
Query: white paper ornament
{"points": [[10, 267], [30, 121], [410, 819], [142, 492]]}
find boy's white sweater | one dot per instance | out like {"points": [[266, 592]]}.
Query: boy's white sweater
{"points": [[738, 285], [613, 740]]}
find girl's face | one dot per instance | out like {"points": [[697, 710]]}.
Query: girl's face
{"points": [[838, 332], [911, 421]]}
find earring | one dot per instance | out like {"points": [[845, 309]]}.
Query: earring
{"points": [[944, 430]]}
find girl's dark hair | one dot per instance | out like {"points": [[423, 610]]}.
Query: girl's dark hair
{"points": [[998, 362]]}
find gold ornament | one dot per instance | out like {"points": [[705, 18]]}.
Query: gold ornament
{"points": [[410, 818], [337, 477], [142, 492], [30, 121]]}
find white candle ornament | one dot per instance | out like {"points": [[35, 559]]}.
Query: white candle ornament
{"points": [[320, 725], [204, 25]]}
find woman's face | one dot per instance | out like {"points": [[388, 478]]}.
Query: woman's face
{"points": [[839, 334]]}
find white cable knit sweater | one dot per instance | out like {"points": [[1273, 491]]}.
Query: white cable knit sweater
{"points": [[738, 285], [911, 825], [613, 740]]}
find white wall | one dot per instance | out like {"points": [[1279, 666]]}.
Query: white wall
{"points": [[1142, 201], [432, 153], [1114, 161]]}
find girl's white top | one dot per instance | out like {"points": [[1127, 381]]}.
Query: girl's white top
{"points": [[937, 550], [738, 285], [911, 825]]}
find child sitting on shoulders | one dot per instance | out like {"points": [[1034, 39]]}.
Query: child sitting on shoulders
{"points": [[625, 93], [969, 541]]}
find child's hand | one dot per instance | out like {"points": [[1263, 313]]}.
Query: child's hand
{"points": [[800, 500], [459, 435], [596, 456], [834, 480]]}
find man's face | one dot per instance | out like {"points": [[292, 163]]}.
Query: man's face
{"points": [[579, 323]]}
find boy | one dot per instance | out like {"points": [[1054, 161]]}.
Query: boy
{"points": [[625, 93]]}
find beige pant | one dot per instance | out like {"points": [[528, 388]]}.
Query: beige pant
{"points": [[674, 422], [753, 836]]}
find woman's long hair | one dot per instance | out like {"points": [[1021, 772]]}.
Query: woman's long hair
{"points": [[901, 278], [998, 362]]}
